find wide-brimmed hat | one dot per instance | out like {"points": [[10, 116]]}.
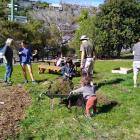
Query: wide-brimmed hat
{"points": [[84, 37]]}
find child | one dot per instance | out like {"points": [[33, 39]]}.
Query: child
{"points": [[88, 92], [68, 70]]}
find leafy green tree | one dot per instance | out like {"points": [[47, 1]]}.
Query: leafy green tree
{"points": [[114, 27], [119, 21], [86, 27], [3, 9]]}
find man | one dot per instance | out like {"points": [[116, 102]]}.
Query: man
{"points": [[87, 56], [136, 61], [8, 55]]}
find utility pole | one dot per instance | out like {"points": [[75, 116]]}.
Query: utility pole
{"points": [[12, 10]]}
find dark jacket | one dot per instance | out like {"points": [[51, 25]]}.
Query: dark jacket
{"points": [[9, 55]]}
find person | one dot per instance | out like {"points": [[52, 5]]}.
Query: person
{"points": [[7, 53], [35, 55], [59, 62], [68, 70], [87, 56], [136, 61], [25, 55], [88, 92]]}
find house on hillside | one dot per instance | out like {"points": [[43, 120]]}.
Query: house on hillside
{"points": [[55, 6], [26, 3]]}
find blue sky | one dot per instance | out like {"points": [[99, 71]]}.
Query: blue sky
{"points": [[81, 2]]}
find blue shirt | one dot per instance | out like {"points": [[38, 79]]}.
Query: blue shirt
{"points": [[26, 55], [70, 71]]}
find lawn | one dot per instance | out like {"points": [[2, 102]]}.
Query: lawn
{"points": [[118, 122]]}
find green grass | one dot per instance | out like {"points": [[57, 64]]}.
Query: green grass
{"points": [[120, 122]]}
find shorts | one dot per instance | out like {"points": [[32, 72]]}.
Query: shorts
{"points": [[25, 63], [88, 68], [136, 67]]}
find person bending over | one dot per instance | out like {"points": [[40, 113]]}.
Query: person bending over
{"points": [[89, 95]]}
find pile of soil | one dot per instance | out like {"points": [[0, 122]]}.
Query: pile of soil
{"points": [[13, 102]]}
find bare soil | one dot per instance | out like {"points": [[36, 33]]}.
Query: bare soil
{"points": [[13, 102]]}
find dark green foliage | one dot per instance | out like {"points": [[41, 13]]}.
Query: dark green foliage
{"points": [[34, 32], [115, 26], [3, 9], [118, 25]]}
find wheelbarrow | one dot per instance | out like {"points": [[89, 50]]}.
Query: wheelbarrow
{"points": [[67, 99]]}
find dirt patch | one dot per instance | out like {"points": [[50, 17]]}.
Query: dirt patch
{"points": [[14, 100]]}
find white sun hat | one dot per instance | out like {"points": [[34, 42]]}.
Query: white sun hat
{"points": [[84, 37]]}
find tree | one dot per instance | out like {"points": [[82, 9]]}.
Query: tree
{"points": [[3, 9], [32, 32], [87, 27], [114, 27], [119, 21]]}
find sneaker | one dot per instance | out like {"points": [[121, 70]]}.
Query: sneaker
{"points": [[9, 82], [34, 82], [94, 114]]}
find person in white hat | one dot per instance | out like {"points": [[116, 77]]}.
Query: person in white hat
{"points": [[87, 56]]}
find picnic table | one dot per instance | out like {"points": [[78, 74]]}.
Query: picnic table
{"points": [[50, 68], [53, 68]]}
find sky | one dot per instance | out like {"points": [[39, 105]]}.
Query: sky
{"points": [[81, 2]]}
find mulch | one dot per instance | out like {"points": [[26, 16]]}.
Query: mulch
{"points": [[13, 102]]}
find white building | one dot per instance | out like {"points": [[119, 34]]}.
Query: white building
{"points": [[56, 6]]}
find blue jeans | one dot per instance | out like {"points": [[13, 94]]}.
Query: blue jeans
{"points": [[8, 73], [3, 50]]}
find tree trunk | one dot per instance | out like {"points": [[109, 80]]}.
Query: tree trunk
{"points": [[119, 48]]}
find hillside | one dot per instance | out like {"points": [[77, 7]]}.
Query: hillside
{"points": [[65, 18]]}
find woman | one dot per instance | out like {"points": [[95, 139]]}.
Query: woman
{"points": [[25, 55], [7, 54]]}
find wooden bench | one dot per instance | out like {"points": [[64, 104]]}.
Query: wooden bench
{"points": [[50, 68]]}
